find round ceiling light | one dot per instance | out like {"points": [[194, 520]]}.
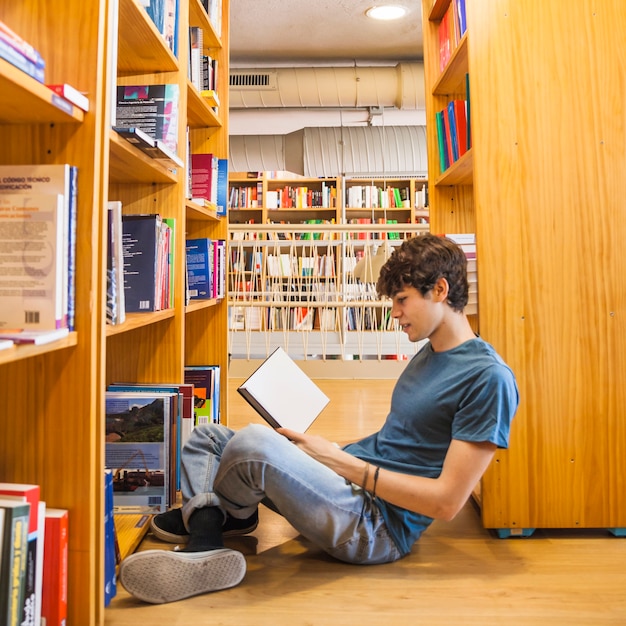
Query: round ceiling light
{"points": [[386, 12]]}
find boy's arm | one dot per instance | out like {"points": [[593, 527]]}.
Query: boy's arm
{"points": [[439, 498]]}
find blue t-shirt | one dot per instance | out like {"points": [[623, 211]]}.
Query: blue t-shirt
{"points": [[467, 393]]}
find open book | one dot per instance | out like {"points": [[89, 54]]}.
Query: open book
{"points": [[282, 394]]}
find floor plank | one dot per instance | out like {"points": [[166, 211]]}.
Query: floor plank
{"points": [[458, 573]]}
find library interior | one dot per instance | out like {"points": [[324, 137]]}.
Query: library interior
{"points": [[190, 187]]}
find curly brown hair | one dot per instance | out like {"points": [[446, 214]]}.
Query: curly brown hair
{"points": [[420, 262]]}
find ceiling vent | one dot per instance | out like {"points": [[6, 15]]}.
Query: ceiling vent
{"points": [[245, 80]]}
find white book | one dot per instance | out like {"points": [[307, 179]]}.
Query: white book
{"points": [[282, 394], [33, 275], [35, 337], [52, 178]]}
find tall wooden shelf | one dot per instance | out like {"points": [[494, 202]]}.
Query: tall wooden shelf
{"points": [[549, 230], [52, 396]]}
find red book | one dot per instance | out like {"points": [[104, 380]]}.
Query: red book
{"points": [[71, 94], [54, 601], [460, 117]]}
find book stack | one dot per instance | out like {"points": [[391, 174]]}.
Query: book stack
{"points": [[20, 53], [35, 552], [453, 132], [147, 248], [206, 268], [154, 109], [39, 293], [451, 28], [164, 14]]}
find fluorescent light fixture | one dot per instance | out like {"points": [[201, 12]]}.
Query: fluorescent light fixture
{"points": [[386, 12]]}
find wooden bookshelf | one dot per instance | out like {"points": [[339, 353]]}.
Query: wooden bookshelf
{"points": [[549, 238], [52, 407]]}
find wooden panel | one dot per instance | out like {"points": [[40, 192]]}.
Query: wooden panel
{"points": [[550, 178]]}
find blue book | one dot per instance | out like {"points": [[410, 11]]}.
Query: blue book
{"points": [[199, 253], [110, 580], [222, 186]]}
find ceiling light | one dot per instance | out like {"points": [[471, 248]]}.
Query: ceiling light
{"points": [[386, 12]]}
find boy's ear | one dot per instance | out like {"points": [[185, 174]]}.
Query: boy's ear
{"points": [[440, 290]]}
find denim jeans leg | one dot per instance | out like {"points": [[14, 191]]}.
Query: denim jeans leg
{"points": [[259, 463], [200, 461]]}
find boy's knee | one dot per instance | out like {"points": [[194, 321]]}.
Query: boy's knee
{"points": [[253, 441]]}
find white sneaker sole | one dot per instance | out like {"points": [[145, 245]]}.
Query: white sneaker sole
{"points": [[159, 576]]}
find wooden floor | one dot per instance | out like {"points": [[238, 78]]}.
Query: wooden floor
{"points": [[458, 573]]}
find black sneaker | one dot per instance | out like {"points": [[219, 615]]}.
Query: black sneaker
{"points": [[169, 526], [234, 527]]}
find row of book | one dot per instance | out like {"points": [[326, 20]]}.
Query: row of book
{"points": [[451, 28], [38, 236], [453, 132], [365, 221], [206, 268], [302, 197], [33, 558], [147, 424], [203, 67], [208, 181], [374, 197]]}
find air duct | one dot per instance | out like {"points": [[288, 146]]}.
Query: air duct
{"points": [[329, 152], [400, 86]]}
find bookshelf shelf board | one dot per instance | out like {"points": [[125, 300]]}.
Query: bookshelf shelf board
{"points": [[19, 352], [24, 99], [198, 17], [438, 10], [198, 305], [138, 320], [199, 111], [452, 79], [131, 165], [141, 48], [461, 172], [203, 213]]}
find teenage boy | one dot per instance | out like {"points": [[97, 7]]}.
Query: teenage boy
{"points": [[369, 502]]}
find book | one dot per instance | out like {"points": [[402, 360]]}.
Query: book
{"points": [[206, 392], [34, 337], [222, 187], [5, 344], [154, 109], [116, 302], [282, 394], [33, 277], [55, 567], [16, 57], [137, 450], [13, 560], [110, 579], [200, 266], [140, 242], [71, 94], [30, 493], [59, 179], [204, 176]]}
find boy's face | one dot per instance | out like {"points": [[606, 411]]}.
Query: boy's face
{"points": [[419, 316]]}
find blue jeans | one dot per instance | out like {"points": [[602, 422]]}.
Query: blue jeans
{"points": [[236, 470]]}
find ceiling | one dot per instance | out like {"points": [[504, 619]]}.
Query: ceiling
{"points": [[313, 32]]}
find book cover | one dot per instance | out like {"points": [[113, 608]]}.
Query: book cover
{"points": [[154, 109], [21, 61], [30, 494], [199, 256], [116, 303], [34, 276], [137, 450], [206, 392], [54, 179], [110, 579], [282, 394], [71, 94], [13, 560], [460, 120], [55, 567], [171, 222], [222, 187], [140, 244], [204, 176]]}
